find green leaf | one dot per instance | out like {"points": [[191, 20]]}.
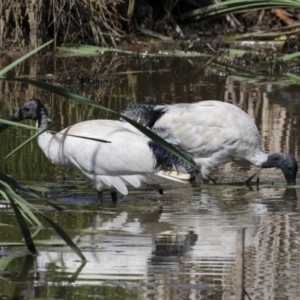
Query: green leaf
{"points": [[82, 137], [21, 59], [26, 142], [290, 56], [7, 193], [11, 244], [22, 224], [234, 6], [65, 237], [22, 203], [17, 185], [2, 121], [12, 123], [5, 260], [5, 225], [55, 206], [292, 76], [89, 50]]}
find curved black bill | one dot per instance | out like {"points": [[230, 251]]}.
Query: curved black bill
{"points": [[290, 181]]}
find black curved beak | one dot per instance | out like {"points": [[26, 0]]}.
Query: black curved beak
{"points": [[291, 175], [17, 117], [290, 180]]}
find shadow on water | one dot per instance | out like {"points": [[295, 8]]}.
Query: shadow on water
{"points": [[180, 245]]}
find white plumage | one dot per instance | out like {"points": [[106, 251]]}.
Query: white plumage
{"points": [[130, 158], [214, 133]]}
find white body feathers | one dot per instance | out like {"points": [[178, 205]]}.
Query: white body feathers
{"points": [[213, 132], [111, 166]]}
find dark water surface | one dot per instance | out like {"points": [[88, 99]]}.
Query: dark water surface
{"points": [[181, 245]]}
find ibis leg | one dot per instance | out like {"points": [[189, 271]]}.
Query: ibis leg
{"points": [[114, 197], [100, 196]]}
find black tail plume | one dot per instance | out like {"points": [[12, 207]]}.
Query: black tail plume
{"points": [[145, 114], [168, 161]]}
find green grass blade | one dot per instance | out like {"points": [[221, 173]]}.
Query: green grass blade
{"points": [[21, 59], [55, 206], [23, 210], [26, 142], [17, 185], [22, 203], [36, 232], [292, 77], [290, 56], [89, 50], [12, 123], [22, 224], [61, 92], [82, 137], [68, 94], [2, 121], [153, 136], [40, 189], [39, 133], [5, 261], [234, 6], [65, 237], [8, 193]]}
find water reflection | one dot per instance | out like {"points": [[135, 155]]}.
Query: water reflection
{"points": [[114, 82], [177, 246], [127, 246], [178, 249], [278, 232]]}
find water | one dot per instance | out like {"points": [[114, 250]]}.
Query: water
{"points": [[181, 245]]}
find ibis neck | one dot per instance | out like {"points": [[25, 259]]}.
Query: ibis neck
{"points": [[43, 122], [276, 161], [45, 138], [273, 161]]}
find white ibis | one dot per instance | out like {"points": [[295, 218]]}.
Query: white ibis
{"points": [[130, 158], [213, 133]]}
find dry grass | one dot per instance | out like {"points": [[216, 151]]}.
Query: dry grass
{"points": [[28, 24]]}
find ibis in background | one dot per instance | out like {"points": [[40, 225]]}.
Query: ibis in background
{"points": [[214, 133], [130, 157]]}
